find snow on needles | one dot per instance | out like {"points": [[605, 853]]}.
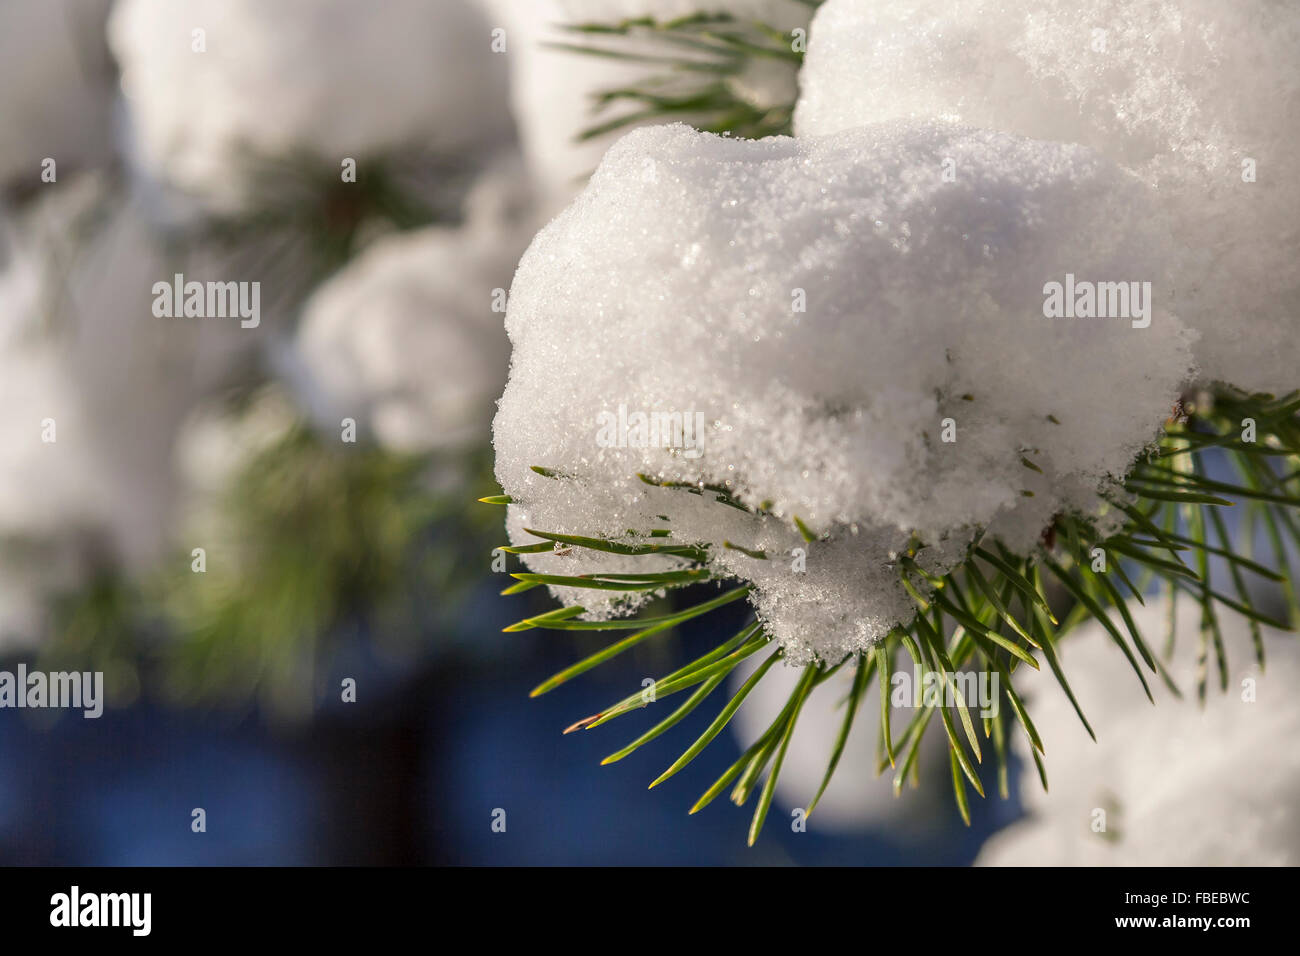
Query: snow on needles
{"points": [[851, 332]]}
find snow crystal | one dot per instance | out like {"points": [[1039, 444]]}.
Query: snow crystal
{"points": [[325, 78], [1198, 97], [1180, 785], [831, 310]]}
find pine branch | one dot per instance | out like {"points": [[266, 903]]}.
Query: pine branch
{"points": [[994, 611], [694, 75]]}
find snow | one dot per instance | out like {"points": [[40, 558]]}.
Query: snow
{"points": [[302, 79], [68, 321], [43, 536], [672, 285], [79, 344], [404, 339], [1181, 92], [1181, 786]]}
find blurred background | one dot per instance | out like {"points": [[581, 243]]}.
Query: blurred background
{"points": [[234, 517]]}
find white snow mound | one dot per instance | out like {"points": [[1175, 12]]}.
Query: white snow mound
{"points": [[1200, 98], [830, 310]]}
